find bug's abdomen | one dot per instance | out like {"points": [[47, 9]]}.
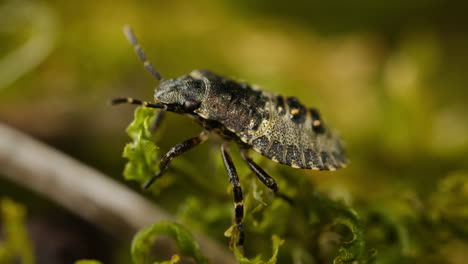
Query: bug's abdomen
{"points": [[296, 136], [278, 127]]}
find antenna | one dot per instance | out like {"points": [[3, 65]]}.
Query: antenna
{"points": [[141, 54]]}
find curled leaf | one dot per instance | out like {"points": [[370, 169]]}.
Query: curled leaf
{"points": [[143, 242], [350, 250], [329, 211], [277, 242]]}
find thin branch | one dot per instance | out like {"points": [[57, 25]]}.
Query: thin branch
{"points": [[84, 191]]}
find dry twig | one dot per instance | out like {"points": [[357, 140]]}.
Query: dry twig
{"points": [[83, 190]]}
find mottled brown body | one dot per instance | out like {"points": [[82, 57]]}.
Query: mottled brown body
{"points": [[278, 127]]}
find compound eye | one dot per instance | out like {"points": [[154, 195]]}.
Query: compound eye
{"points": [[191, 105]]}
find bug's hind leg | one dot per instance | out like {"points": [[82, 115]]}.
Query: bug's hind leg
{"points": [[237, 190], [175, 151], [266, 179]]}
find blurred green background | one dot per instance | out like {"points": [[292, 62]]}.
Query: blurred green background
{"points": [[390, 76]]}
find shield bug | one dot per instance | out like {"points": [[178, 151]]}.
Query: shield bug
{"points": [[278, 127]]}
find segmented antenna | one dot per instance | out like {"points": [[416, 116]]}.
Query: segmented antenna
{"points": [[141, 54]]}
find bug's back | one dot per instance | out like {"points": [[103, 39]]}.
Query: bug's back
{"points": [[278, 127]]}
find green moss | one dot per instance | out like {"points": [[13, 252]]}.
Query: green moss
{"points": [[265, 216]]}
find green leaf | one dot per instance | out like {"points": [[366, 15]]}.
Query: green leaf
{"points": [[88, 261], [174, 259], [143, 242], [449, 204], [141, 123], [326, 211], [277, 242], [142, 151], [17, 245], [353, 249]]}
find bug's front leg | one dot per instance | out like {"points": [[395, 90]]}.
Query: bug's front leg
{"points": [[237, 190], [157, 121], [159, 114], [175, 151], [129, 100]]}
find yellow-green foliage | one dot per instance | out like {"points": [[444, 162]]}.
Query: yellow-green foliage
{"points": [[143, 243], [87, 261], [16, 246], [449, 204], [141, 153], [405, 229], [278, 218], [277, 242], [390, 76]]}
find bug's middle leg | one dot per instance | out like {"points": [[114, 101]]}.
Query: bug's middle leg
{"points": [[175, 151], [238, 200], [266, 179]]}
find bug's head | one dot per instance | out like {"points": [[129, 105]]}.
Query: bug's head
{"points": [[186, 93], [183, 94]]}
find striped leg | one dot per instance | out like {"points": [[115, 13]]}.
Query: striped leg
{"points": [[159, 114], [238, 200], [177, 150], [266, 179], [128, 100]]}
